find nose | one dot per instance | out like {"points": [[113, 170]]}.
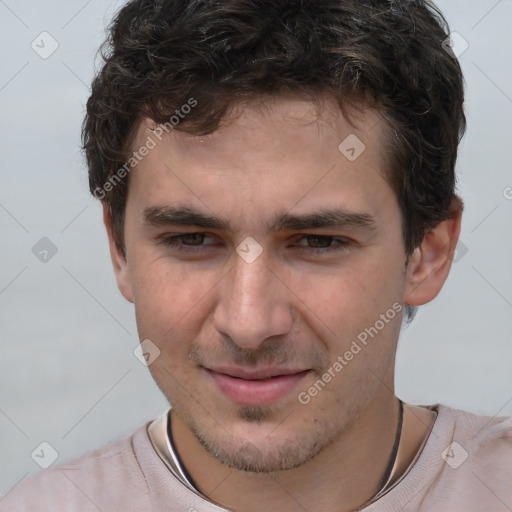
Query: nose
{"points": [[253, 304]]}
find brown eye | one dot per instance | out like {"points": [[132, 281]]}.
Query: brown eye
{"points": [[319, 242], [322, 244], [192, 238], [188, 242]]}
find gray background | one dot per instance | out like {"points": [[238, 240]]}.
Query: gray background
{"points": [[68, 375]]}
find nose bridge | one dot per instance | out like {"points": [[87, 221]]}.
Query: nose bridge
{"points": [[251, 305], [250, 281]]}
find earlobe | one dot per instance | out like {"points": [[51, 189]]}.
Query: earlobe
{"points": [[119, 260], [430, 263]]}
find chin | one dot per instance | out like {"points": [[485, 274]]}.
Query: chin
{"points": [[266, 453]]}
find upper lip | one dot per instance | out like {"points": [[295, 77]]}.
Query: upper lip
{"points": [[262, 373]]}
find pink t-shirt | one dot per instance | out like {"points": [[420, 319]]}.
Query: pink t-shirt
{"points": [[465, 466]]}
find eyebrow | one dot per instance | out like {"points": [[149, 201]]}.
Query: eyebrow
{"points": [[186, 216]]}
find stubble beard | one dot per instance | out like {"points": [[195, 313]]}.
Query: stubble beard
{"points": [[273, 454]]}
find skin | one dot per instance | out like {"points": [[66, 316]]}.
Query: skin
{"points": [[205, 307]]}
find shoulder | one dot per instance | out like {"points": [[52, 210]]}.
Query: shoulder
{"points": [[476, 467], [94, 481], [483, 440], [478, 430], [465, 464]]}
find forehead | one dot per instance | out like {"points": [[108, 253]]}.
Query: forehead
{"points": [[284, 152], [300, 116]]}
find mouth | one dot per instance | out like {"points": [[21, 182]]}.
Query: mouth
{"points": [[256, 387]]}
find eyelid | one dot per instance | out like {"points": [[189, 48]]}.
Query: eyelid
{"points": [[321, 235], [339, 244], [172, 241]]}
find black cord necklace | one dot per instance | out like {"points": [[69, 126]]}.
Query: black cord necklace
{"points": [[179, 471], [394, 451]]}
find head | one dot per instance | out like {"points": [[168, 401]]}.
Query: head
{"points": [[278, 187]]}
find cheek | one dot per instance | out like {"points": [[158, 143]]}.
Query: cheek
{"points": [[170, 301], [350, 296]]}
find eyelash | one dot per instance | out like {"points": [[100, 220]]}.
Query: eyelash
{"points": [[343, 244]]}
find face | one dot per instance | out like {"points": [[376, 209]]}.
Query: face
{"points": [[268, 269]]}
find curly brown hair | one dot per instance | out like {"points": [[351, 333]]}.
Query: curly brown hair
{"points": [[387, 54]]}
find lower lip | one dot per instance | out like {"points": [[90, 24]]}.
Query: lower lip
{"points": [[257, 392]]}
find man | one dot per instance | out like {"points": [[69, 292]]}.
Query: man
{"points": [[277, 181]]}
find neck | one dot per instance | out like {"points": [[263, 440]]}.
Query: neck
{"points": [[342, 477]]}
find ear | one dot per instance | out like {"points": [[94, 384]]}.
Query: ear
{"points": [[119, 260], [430, 263]]}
